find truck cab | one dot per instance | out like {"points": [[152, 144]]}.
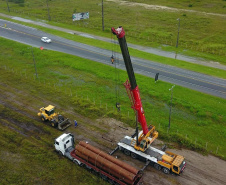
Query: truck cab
{"points": [[64, 142], [173, 162]]}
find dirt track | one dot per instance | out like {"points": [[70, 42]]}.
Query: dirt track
{"points": [[200, 169], [158, 7]]}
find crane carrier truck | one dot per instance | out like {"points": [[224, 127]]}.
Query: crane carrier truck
{"points": [[139, 145], [108, 167]]}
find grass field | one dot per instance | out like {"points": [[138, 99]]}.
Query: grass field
{"points": [[198, 120], [201, 34], [27, 155]]}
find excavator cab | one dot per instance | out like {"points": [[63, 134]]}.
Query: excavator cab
{"points": [[50, 112]]}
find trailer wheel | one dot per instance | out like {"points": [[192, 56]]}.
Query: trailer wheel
{"points": [[165, 170], [117, 183], [76, 162], [88, 168], [157, 166], [127, 152], [111, 181], [103, 177], [133, 155]]}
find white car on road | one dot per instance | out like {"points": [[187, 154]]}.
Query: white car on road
{"points": [[46, 39]]}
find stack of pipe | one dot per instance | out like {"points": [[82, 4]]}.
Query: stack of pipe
{"points": [[106, 162]]}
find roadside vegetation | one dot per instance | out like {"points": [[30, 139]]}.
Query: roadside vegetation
{"points": [[201, 23], [197, 121], [133, 52]]}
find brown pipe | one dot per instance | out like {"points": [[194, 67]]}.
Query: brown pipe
{"points": [[106, 169], [109, 157], [99, 165], [104, 164]]}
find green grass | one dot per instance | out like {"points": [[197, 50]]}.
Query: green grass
{"points": [[136, 53], [199, 32], [31, 159], [197, 118]]}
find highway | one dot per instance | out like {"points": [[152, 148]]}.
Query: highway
{"points": [[193, 80]]}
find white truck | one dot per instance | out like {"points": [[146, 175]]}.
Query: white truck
{"points": [[109, 168]]}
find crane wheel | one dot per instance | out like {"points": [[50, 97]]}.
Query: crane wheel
{"points": [[133, 155], [165, 170], [127, 152], [157, 166]]}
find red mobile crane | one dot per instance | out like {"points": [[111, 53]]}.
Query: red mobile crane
{"points": [[140, 148], [148, 135]]}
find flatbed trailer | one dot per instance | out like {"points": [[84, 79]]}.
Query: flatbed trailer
{"points": [[165, 161], [108, 170]]}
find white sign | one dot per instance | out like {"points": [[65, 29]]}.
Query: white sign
{"points": [[79, 16]]}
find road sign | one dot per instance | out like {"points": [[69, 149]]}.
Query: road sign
{"points": [[80, 16]]}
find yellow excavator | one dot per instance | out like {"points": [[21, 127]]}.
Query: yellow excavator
{"points": [[56, 120]]}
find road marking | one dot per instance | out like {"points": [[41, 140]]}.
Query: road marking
{"points": [[123, 61]]}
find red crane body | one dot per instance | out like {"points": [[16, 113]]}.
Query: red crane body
{"points": [[131, 85]]}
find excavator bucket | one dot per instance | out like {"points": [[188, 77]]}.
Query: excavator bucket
{"points": [[63, 123]]}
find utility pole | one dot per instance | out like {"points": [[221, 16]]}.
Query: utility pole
{"points": [[178, 32], [34, 62], [48, 9], [102, 15], [7, 5], [171, 103]]}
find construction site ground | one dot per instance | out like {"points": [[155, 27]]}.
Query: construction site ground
{"points": [[103, 133]]}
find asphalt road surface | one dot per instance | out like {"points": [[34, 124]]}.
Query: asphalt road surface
{"points": [[196, 81]]}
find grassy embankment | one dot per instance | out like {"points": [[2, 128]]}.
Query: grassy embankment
{"points": [[133, 52], [201, 34], [198, 120]]}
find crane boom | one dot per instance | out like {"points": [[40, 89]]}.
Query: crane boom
{"points": [[149, 134], [132, 85]]}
